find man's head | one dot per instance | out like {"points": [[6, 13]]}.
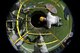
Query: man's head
{"points": [[42, 18]]}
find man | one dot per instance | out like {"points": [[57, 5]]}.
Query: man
{"points": [[39, 47], [50, 19]]}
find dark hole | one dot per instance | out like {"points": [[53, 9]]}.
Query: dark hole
{"points": [[35, 19]]}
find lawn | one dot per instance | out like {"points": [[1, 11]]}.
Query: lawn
{"points": [[60, 32]]}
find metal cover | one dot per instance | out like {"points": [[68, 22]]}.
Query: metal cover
{"points": [[51, 8]]}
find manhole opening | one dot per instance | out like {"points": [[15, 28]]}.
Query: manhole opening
{"points": [[35, 19]]}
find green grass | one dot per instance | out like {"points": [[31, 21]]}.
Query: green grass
{"points": [[59, 32]]}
